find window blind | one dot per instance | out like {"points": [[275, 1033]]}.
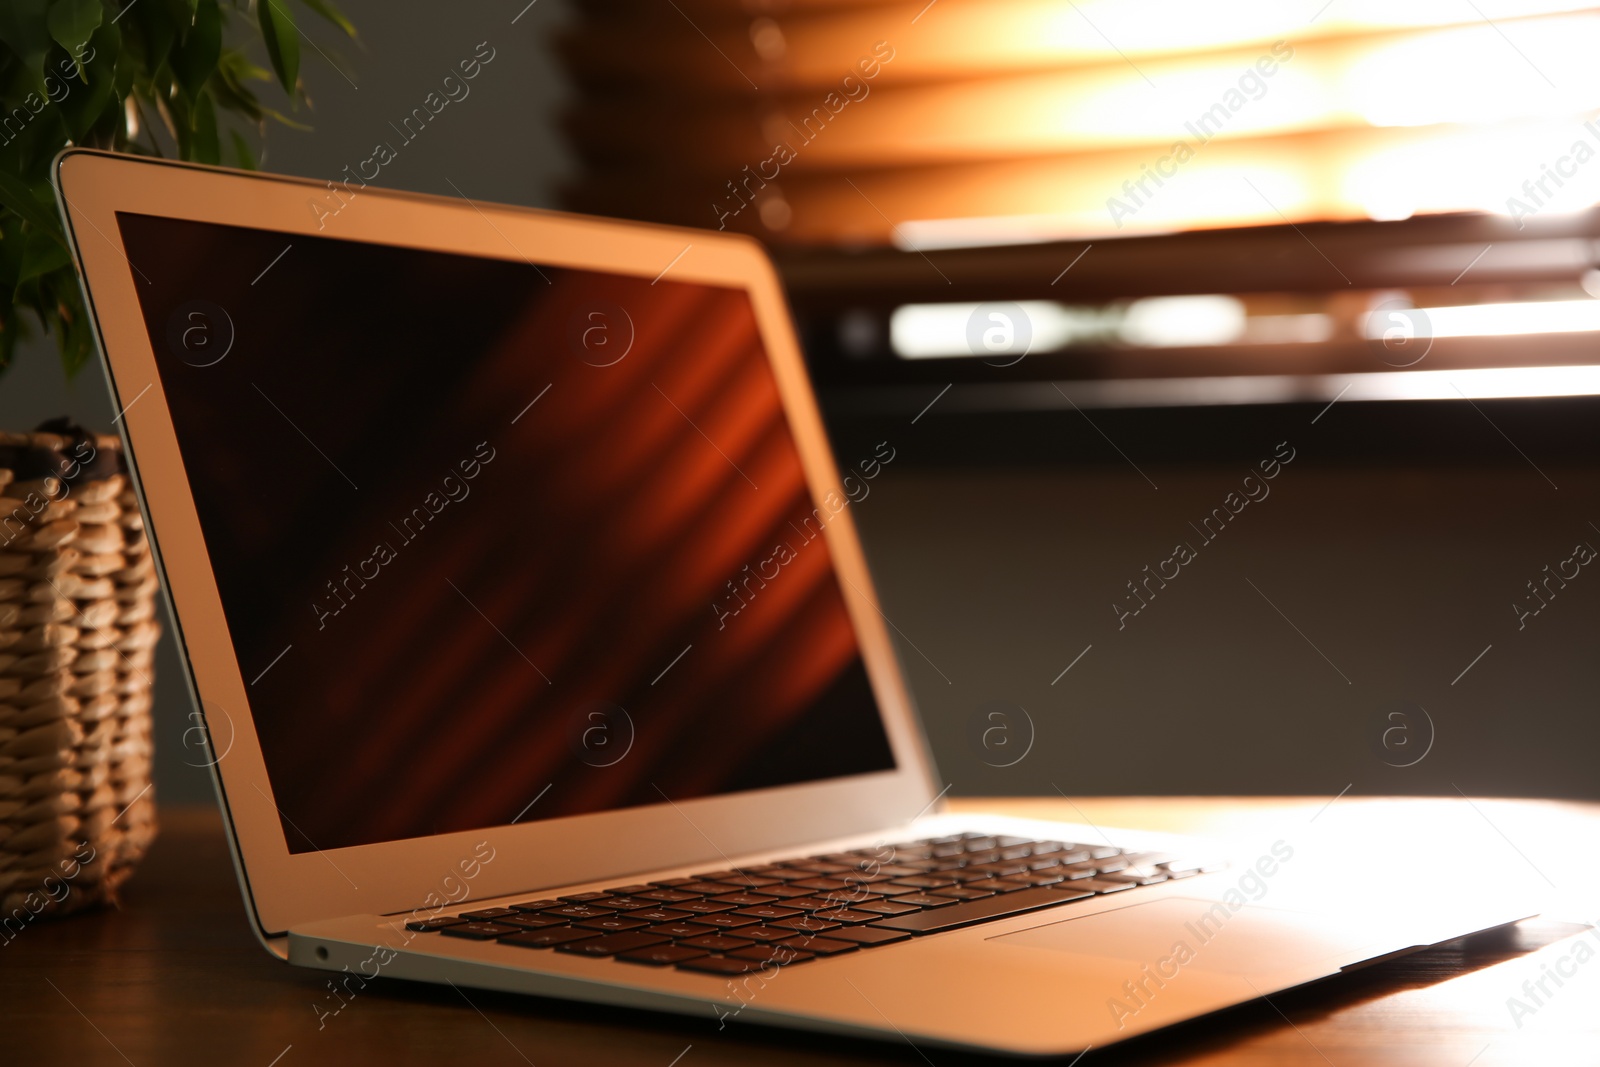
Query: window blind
{"points": [[964, 122]]}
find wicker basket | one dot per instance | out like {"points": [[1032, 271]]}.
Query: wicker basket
{"points": [[77, 638]]}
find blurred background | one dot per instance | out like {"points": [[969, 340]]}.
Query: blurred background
{"points": [[1238, 361]]}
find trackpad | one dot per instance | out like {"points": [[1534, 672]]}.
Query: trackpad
{"points": [[1200, 935]]}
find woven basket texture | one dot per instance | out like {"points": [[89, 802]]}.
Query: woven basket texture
{"points": [[77, 639]]}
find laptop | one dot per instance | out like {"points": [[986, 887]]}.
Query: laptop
{"points": [[534, 647]]}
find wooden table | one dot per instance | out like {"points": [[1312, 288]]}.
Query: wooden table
{"points": [[175, 978]]}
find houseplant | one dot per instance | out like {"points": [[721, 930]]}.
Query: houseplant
{"points": [[77, 585], [159, 77]]}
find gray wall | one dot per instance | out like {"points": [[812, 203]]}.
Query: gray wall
{"points": [[1321, 642], [498, 143]]}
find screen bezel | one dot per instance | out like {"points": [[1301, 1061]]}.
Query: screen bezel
{"points": [[287, 888]]}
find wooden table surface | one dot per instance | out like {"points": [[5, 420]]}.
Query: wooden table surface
{"points": [[175, 977]]}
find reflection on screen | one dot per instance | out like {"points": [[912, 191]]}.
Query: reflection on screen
{"points": [[497, 542]]}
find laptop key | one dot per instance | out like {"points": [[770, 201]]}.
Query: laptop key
{"points": [[533, 922], [960, 893], [536, 905], [433, 925], [869, 877], [625, 903], [704, 889], [679, 930], [661, 955], [765, 933], [702, 907], [784, 892], [1091, 885], [611, 924], [721, 965], [744, 880], [893, 870], [919, 900], [579, 911], [771, 870], [828, 867], [769, 911], [848, 897], [579, 898], [811, 903], [743, 900], [998, 885], [659, 915], [1137, 876], [1042, 877], [886, 907], [1000, 870], [666, 896], [976, 911], [820, 883], [488, 914], [822, 946], [782, 955], [717, 943], [847, 915], [925, 881], [546, 938], [806, 924], [476, 931], [867, 936], [629, 890], [726, 920], [611, 944]]}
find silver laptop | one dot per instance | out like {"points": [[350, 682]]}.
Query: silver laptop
{"points": [[521, 597]]}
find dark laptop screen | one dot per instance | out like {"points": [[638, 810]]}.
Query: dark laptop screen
{"points": [[498, 542]]}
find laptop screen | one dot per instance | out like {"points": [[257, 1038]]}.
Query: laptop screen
{"points": [[499, 541]]}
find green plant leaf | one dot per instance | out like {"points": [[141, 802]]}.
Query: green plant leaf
{"points": [[233, 69], [85, 107], [77, 334], [241, 148], [333, 15], [179, 117], [15, 195], [193, 62], [23, 30], [205, 147], [71, 24], [282, 40], [41, 255], [158, 28]]}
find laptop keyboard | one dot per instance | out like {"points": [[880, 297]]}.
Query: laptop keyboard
{"points": [[731, 922]]}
